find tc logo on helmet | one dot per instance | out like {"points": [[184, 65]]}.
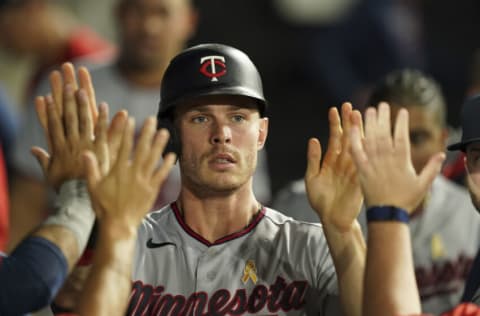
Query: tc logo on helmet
{"points": [[210, 65]]}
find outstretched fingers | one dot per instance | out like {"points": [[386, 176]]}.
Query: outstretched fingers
{"points": [[85, 81], [126, 145], [56, 87], [359, 155], [68, 71], [344, 163], [335, 136], [56, 134], [159, 143], [92, 170], [85, 121], [402, 136], [42, 157], [144, 143], [314, 156], [369, 143], [162, 172], [70, 114], [42, 115], [101, 139], [115, 135], [430, 171], [383, 130]]}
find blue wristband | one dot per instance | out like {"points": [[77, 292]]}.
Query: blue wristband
{"points": [[387, 213]]}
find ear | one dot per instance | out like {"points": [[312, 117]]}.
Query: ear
{"points": [[263, 132]]}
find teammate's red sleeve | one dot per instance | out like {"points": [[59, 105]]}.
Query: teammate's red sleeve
{"points": [[464, 309]]}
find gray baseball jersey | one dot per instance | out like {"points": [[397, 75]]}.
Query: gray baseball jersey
{"points": [[445, 239], [275, 266]]}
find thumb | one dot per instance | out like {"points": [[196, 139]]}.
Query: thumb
{"points": [[92, 170], [42, 157], [314, 156], [431, 170]]}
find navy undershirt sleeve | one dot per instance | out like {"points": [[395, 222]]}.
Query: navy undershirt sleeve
{"points": [[31, 276]]}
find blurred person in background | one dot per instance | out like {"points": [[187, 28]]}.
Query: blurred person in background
{"points": [[47, 32]]}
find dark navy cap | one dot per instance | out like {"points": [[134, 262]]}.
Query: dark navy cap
{"points": [[470, 122]]}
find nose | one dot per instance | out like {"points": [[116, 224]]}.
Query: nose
{"points": [[221, 134]]}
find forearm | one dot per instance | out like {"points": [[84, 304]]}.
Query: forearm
{"points": [[110, 277], [390, 286], [31, 276], [72, 222], [348, 254], [64, 239]]}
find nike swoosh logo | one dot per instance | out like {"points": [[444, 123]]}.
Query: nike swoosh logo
{"points": [[152, 244]]}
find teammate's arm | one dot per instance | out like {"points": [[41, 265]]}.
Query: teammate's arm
{"points": [[36, 269], [387, 178], [121, 199], [334, 193]]}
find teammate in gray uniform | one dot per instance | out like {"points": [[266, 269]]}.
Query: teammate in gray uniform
{"points": [[217, 250], [445, 229], [470, 145]]}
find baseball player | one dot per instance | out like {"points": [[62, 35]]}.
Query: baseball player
{"points": [[392, 192], [470, 146], [216, 249]]}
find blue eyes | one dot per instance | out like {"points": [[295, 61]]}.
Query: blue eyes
{"points": [[199, 119], [204, 119], [238, 118]]}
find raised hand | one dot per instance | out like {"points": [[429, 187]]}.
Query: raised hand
{"points": [[58, 80], [383, 161], [70, 135], [127, 192], [332, 186], [72, 125]]}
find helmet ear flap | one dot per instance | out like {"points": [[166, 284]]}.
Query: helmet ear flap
{"points": [[173, 144]]}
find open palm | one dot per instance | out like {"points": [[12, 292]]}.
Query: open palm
{"points": [[332, 185]]}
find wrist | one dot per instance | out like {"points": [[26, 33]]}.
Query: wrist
{"points": [[73, 211], [117, 229], [387, 213]]}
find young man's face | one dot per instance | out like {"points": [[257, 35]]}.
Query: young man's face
{"points": [[220, 139], [427, 136]]}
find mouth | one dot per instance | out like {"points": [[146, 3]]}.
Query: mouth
{"points": [[223, 159], [222, 162]]}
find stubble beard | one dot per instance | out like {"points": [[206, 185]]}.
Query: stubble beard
{"points": [[207, 183]]}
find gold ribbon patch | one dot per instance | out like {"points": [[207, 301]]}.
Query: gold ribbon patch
{"points": [[437, 247], [250, 272]]}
